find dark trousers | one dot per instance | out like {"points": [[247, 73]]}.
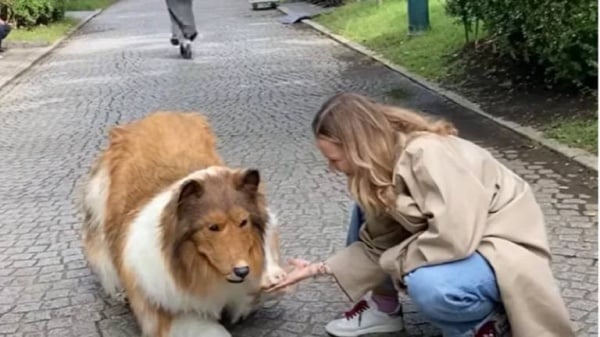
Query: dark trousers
{"points": [[183, 22], [4, 30]]}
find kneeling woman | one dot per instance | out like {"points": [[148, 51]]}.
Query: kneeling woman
{"points": [[443, 220]]}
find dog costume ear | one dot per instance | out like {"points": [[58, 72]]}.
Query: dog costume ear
{"points": [[189, 192], [248, 180], [189, 189]]}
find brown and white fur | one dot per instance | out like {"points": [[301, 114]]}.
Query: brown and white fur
{"points": [[168, 224]]}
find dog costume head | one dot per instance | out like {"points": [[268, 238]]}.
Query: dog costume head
{"points": [[221, 216]]}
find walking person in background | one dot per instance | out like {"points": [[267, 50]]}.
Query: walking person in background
{"points": [[183, 25], [4, 31]]}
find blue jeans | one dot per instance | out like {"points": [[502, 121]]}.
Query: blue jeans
{"points": [[456, 297]]}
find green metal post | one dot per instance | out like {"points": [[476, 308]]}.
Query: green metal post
{"points": [[418, 16]]}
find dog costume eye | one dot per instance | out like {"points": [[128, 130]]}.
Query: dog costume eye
{"points": [[214, 228], [243, 223]]}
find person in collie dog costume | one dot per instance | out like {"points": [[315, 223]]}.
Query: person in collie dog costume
{"points": [[185, 237]]}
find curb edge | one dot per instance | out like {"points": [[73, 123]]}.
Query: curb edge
{"points": [[581, 156]]}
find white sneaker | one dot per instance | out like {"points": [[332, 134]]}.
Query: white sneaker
{"points": [[364, 318]]}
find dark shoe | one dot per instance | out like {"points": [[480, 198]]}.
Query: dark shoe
{"points": [[190, 37], [185, 49], [174, 41]]}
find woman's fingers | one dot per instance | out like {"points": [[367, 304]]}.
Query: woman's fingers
{"points": [[279, 286], [298, 263], [298, 271], [291, 278]]}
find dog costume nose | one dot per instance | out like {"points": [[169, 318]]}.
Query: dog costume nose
{"points": [[241, 272]]}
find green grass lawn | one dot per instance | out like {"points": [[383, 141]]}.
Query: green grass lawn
{"points": [[54, 31], [385, 29], [88, 5], [578, 132], [43, 34]]}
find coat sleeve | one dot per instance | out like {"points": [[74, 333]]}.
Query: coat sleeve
{"points": [[451, 197], [356, 269]]}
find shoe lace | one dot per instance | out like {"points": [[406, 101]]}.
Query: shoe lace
{"points": [[358, 309], [487, 330]]}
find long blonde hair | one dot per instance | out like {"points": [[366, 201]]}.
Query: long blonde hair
{"points": [[371, 135]]}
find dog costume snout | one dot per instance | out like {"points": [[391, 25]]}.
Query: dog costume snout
{"points": [[241, 272]]}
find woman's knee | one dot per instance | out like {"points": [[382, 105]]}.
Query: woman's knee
{"points": [[446, 295]]}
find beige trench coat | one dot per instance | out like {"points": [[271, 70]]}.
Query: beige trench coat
{"points": [[454, 198]]}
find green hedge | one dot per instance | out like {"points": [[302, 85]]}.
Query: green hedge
{"points": [[27, 13], [559, 35]]}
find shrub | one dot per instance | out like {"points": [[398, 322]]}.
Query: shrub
{"points": [[559, 35], [27, 13]]}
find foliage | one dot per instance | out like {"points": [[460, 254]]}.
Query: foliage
{"points": [[468, 13], [28, 13], [558, 35]]}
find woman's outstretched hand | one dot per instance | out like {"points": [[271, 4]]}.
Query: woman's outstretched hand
{"points": [[300, 270]]}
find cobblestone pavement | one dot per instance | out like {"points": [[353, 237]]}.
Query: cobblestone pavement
{"points": [[260, 83]]}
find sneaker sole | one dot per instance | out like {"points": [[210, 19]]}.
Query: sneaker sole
{"points": [[365, 331]]}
